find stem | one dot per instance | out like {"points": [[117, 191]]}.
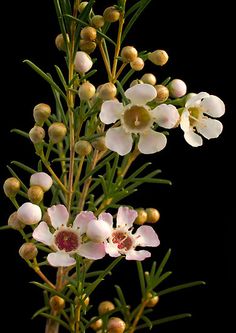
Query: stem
{"points": [[120, 71], [131, 159], [40, 273], [105, 60], [77, 318], [77, 178], [138, 316]]}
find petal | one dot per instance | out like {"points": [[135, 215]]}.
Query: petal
{"points": [[196, 99], [111, 250], [126, 217], [141, 93], [60, 259], [81, 221], [193, 139], [210, 128], [137, 255], [110, 111], [107, 217], [91, 250], [184, 121], [58, 215], [146, 236], [165, 115], [98, 230], [42, 234], [213, 106], [151, 142], [118, 140]]}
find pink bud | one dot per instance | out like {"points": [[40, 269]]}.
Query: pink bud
{"points": [[41, 179], [29, 213], [177, 88], [83, 63]]}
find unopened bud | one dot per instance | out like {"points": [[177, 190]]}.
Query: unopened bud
{"points": [[37, 134], [107, 91], [83, 63], [41, 113], [153, 300], [85, 299], [158, 57], [153, 215], [96, 325], [83, 148], [137, 64], [98, 21], [99, 144], [28, 251], [115, 325], [14, 222], [105, 307], [111, 14], [142, 216], [177, 88], [149, 78], [162, 93], [189, 95], [11, 187], [86, 91], [129, 54], [88, 33], [57, 132], [35, 194], [29, 213], [87, 46], [61, 43], [41, 179], [57, 303], [135, 82], [81, 5]]}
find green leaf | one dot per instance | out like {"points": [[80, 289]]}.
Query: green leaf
{"points": [[5, 227], [61, 76], [165, 320], [162, 264], [164, 276], [51, 290], [141, 277], [20, 132], [147, 321], [121, 91], [45, 308], [180, 287], [24, 167], [61, 23], [57, 319]]}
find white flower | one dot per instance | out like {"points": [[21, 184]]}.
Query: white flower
{"points": [[29, 213], [123, 241], [67, 240], [83, 62], [41, 179], [137, 118], [194, 119]]}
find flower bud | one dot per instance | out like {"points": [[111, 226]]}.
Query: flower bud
{"points": [[35, 194], [107, 91], [115, 325], [88, 33], [29, 213], [60, 42], [105, 307], [111, 14], [85, 299], [129, 54], [98, 21], [14, 222], [153, 300], [149, 78], [36, 134], [41, 179], [83, 63], [83, 148], [162, 93], [41, 113], [57, 132], [28, 251], [135, 82], [153, 215], [99, 144], [137, 64], [57, 303], [177, 88], [96, 325], [98, 230], [86, 91], [87, 46], [80, 5], [158, 57], [11, 187], [142, 216]]}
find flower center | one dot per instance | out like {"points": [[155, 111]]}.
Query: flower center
{"points": [[195, 115], [122, 240], [67, 240], [137, 118]]}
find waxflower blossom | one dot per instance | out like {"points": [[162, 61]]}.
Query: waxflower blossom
{"points": [[194, 118], [137, 118], [123, 242]]}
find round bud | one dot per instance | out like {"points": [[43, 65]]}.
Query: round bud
{"points": [[83, 148], [142, 216], [83, 63], [46, 218], [107, 91], [57, 303], [99, 144], [57, 132], [28, 251], [149, 78], [87, 46], [153, 215], [111, 14], [41, 179], [36, 134], [158, 57], [98, 21], [60, 42], [115, 325], [81, 5], [86, 299], [88, 33], [137, 64], [162, 93], [41, 113], [11, 187], [153, 300], [188, 96], [129, 54], [29, 213], [35, 194], [14, 222], [135, 82], [86, 91], [105, 307], [96, 325], [177, 88]]}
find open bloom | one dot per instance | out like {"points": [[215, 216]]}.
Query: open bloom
{"points": [[137, 118], [194, 119], [67, 240], [123, 241]]}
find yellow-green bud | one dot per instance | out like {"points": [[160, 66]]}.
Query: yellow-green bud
{"points": [[149, 78], [158, 57], [153, 300], [41, 113], [87, 46], [153, 215], [162, 93], [115, 325], [83, 148], [111, 14], [14, 222], [81, 5], [57, 132], [60, 42], [105, 307], [35, 194], [142, 216], [98, 21], [99, 144], [86, 299], [86, 91], [28, 251], [107, 91], [57, 303], [137, 64], [135, 82], [36, 134], [11, 187], [88, 33], [96, 325], [129, 54]]}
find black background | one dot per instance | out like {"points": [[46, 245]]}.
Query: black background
{"points": [[196, 211]]}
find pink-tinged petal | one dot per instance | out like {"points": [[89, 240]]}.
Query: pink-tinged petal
{"points": [[98, 230], [107, 217], [151, 142], [58, 215], [91, 250], [213, 106], [81, 221], [126, 217], [111, 250], [118, 140], [193, 139], [137, 255], [146, 236], [42, 234], [111, 111], [165, 115], [60, 259], [140, 94], [196, 100], [210, 128], [184, 121]]}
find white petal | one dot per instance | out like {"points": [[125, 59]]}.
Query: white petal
{"points": [[29, 213], [83, 62], [193, 139], [106, 217], [59, 215], [110, 111], [146, 236], [111, 250], [91, 250], [213, 106], [166, 115], [210, 128], [81, 221], [184, 121], [151, 142], [196, 99], [125, 217], [41, 179], [140, 94], [137, 255], [42, 234], [60, 259], [118, 140], [98, 230]]}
